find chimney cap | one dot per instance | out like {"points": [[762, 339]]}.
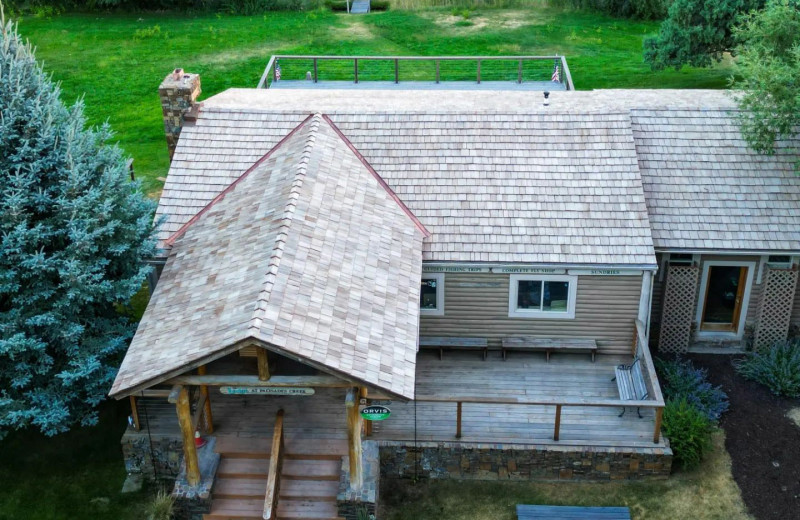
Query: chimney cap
{"points": [[177, 74]]}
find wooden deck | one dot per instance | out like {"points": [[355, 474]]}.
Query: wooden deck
{"points": [[460, 375]]}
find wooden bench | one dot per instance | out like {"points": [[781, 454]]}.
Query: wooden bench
{"points": [[525, 512], [630, 383], [549, 345], [454, 343]]}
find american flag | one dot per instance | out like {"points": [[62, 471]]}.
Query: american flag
{"points": [[277, 71], [556, 75]]}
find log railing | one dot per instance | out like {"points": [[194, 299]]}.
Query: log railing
{"points": [[517, 69], [654, 401], [274, 475]]}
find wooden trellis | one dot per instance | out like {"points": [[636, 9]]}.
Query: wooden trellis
{"points": [[775, 308], [677, 314]]}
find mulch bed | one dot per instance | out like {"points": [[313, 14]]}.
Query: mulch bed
{"points": [[763, 443]]}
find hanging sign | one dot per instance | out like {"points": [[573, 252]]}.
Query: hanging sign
{"points": [[375, 413], [432, 268], [527, 270], [265, 390], [605, 272]]}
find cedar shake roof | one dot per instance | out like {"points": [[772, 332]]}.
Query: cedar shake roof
{"points": [[706, 190], [307, 254], [543, 187]]}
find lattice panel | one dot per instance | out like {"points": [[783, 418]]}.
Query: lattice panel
{"points": [[677, 312], [775, 308]]}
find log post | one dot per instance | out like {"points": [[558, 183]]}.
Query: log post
{"points": [[209, 420], [354, 438], [557, 427], [367, 424], [183, 407], [135, 414], [458, 421], [263, 364], [657, 431]]}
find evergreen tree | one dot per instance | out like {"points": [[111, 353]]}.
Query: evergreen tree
{"points": [[769, 64], [74, 233], [696, 33]]}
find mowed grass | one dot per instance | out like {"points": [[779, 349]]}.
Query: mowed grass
{"points": [[709, 493], [116, 61], [77, 475]]}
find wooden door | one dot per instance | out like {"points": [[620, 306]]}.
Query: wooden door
{"points": [[722, 305]]}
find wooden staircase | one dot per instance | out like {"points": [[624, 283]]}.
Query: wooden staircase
{"points": [[308, 483]]}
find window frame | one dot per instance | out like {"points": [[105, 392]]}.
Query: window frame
{"points": [[439, 310], [515, 312]]}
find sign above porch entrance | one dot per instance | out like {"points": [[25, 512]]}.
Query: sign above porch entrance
{"points": [[265, 390]]}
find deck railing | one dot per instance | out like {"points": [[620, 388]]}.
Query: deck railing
{"points": [[436, 69], [654, 401], [275, 466]]}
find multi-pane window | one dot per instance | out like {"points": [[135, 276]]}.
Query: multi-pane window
{"points": [[431, 294], [544, 296]]}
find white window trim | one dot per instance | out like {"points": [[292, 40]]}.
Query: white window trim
{"points": [[751, 267], [514, 312], [439, 310]]}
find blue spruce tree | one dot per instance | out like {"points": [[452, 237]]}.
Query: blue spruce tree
{"points": [[74, 234]]}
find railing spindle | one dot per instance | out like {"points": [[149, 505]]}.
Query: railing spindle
{"points": [[479, 71], [437, 71], [519, 72], [355, 65], [396, 71], [315, 70]]}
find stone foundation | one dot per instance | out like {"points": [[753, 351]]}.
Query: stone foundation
{"points": [[522, 462], [350, 501], [192, 502], [167, 452]]}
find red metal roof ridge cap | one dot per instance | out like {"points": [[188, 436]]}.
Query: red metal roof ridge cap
{"points": [[378, 178], [171, 240]]}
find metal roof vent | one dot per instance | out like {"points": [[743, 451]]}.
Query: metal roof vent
{"points": [[546, 98]]}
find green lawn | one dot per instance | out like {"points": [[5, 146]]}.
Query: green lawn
{"points": [[116, 61], [77, 475]]}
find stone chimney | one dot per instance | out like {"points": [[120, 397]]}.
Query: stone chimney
{"points": [[178, 93]]}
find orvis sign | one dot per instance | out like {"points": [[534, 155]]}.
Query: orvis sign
{"points": [[375, 413]]}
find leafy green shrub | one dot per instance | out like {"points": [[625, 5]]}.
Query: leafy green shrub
{"points": [[681, 380], [689, 432], [341, 5], [639, 9], [777, 368], [160, 506]]}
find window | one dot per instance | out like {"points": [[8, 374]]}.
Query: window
{"points": [[680, 259], [542, 296], [780, 261], [431, 294]]}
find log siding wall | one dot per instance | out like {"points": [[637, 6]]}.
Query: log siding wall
{"points": [[476, 304]]}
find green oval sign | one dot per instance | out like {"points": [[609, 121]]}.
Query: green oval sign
{"points": [[375, 413]]}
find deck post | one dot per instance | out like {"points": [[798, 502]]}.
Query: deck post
{"points": [[458, 421], [557, 427], [135, 414], [354, 438], [183, 407], [209, 420], [657, 430], [263, 364]]}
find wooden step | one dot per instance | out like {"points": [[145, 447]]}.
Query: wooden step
{"points": [[309, 489], [224, 509], [311, 469], [239, 488], [242, 468], [296, 448], [307, 509]]}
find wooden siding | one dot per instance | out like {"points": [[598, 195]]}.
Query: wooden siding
{"points": [[476, 304]]}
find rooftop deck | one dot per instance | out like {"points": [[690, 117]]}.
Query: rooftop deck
{"points": [[459, 376]]}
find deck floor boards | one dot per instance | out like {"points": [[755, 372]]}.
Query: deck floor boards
{"points": [[459, 374]]}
